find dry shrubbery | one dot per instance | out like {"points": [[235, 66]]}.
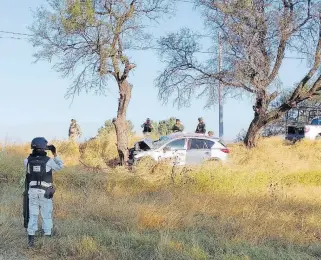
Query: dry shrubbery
{"points": [[263, 204], [99, 152]]}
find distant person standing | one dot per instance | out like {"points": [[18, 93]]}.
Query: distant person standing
{"points": [[74, 130], [147, 127], [201, 128], [178, 127]]}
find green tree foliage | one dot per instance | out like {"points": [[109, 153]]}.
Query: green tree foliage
{"points": [[164, 127], [109, 128]]}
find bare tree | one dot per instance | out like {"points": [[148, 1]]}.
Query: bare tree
{"points": [[257, 34], [88, 41]]}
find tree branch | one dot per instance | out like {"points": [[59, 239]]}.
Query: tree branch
{"points": [[313, 70], [278, 61]]}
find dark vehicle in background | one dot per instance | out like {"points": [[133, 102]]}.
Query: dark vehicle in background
{"points": [[303, 122]]}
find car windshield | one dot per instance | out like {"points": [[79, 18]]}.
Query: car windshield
{"points": [[157, 144]]}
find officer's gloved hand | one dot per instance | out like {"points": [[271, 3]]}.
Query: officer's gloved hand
{"points": [[52, 148]]}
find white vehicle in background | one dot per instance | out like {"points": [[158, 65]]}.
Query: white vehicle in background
{"points": [[181, 149], [313, 130]]}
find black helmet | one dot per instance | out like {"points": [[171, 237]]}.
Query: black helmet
{"points": [[39, 143]]}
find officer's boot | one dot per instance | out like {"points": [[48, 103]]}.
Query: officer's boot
{"points": [[31, 241]]}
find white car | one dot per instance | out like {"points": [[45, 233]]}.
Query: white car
{"points": [[181, 149], [313, 130]]}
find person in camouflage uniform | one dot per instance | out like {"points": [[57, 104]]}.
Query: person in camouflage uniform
{"points": [[74, 130], [178, 127]]}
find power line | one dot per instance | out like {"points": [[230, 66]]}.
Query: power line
{"points": [[15, 33], [14, 38], [205, 52], [159, 49], [135, 49], [7, 33], [297, 58], [186, 1]]}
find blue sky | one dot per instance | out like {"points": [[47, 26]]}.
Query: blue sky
{"points": [[32, 99]]}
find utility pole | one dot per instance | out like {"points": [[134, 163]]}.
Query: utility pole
{"points": [[220, 101]]}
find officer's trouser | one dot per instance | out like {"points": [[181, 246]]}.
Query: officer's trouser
{"points": [[37, 202]]}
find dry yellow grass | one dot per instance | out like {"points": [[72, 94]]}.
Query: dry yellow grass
{"points": [[263, 204]]}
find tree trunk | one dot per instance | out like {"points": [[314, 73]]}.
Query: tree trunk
{"points": [[120, 123], [253, 133], [262, 120]]}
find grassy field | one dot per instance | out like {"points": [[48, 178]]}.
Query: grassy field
{"points": [[264, 204]]}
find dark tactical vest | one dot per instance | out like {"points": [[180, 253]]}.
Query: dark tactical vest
{"points": [[37, 170], [147, 128], [201, 128]]}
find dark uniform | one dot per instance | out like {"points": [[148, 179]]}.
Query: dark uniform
{"points": [[201, 128], [147, 127]]}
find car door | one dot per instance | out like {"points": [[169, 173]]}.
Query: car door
{"points": [[175, 151], [198, 150]]}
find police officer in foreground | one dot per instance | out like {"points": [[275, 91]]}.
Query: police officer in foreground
{"points": [[147, 127], [201, 128], [178, 127], [39, 169]]}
